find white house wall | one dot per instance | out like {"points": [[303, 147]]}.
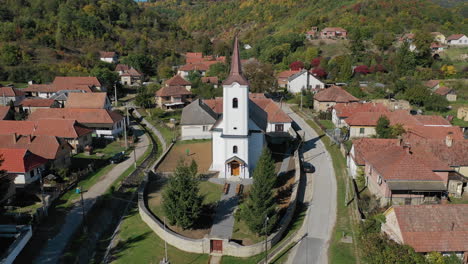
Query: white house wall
{"points": [[256, 142], [271, 127], [300, 82], [196, 132]]}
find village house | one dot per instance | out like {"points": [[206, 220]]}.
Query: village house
{"points": [[129, 75], [430, 228], [211, 80], [282, 77], [329, 97], [457, 40], [62, 96], [32, 104], [341, 111], [108, 56], [333, 33], [6, 113], [447, 92], [56, 150], [396, 175], [195, 61], [312, 33], [197, 120], [170, 97], [437, 47], [200, 67], [10, 94], [304, 80], [462, 113], [22, 165], [88, 101], [432, 84], [105, 123], [74, 133], [85, 84], [177, 80]]}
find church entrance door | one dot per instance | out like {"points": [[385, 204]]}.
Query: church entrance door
{"points": [[235, 168]]}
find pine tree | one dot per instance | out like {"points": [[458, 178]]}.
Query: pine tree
{"points": [[383, 128], [261, 201], [181, 200]]}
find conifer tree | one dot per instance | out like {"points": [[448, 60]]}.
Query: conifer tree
{"points": [[181, 200], [383, 128], [261, 201]]}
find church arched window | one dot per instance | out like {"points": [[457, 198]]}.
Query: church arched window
{"points": [[234, 149], [235, 103]]}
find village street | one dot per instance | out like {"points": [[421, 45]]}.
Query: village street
{"points": [[320, 195], [54, 247]]}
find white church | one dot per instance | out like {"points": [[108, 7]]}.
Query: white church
{"points": [[238, 124], [237, 140]]}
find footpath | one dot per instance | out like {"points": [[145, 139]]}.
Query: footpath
{"points": [[54, 247]]}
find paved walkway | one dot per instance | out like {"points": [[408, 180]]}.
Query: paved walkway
{"points": [[223, 223], [154, 130], [54, 247], [321, 197]]}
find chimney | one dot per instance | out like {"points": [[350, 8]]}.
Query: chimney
{"points": [[407, 148], [449, 139], [399, 141], [15, 138]]}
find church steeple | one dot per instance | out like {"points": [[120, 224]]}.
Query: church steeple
{"points": [[235, 75]]}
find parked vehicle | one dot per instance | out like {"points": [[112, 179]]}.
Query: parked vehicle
{"points": [[308, 168], [117, 158]]}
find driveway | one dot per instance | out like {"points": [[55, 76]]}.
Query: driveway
{"points": [[320, 195]]}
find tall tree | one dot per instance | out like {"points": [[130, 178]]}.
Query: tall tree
{"points": [[422, 41], [182, 202], [356, 45], [261, 202], [260, 76], [383, 128]]}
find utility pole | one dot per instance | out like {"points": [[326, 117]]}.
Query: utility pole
{"points": [[134, 157], [266, 240], [165, 259], [301, 100], [115, 95], [125, 127], [42, 193]]}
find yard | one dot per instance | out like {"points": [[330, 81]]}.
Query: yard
{"points": [[212, 194], [103, 150], [200, 151]]}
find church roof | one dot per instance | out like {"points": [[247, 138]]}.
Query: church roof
{"points": [[235, 74]]}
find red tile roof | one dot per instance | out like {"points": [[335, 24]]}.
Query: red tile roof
{"points": [[173, 91], [432, 120], [432, 132], [455, 37], [69, 83], [195, 67], [132, 72], [440, 228], [395, 163], [10, 92], [431, 83], [107, 54], [274, 113], [366, 146], [86, 100], [283, 76], [65, 128], [335, 94], [444, 90], [44, 88], [47, 147], [84, 116], [37, 102], [19, 160], [397, 117], [344, 110], [4, 110], [454, 155], [212, 80], [122, 67], [177, 80]]}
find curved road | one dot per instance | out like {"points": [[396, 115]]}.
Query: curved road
{"points": [[320, 195]]}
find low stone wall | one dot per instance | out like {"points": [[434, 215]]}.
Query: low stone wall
{"points": [[202, 246]]}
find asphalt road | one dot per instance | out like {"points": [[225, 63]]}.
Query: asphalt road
{"points": [[320, 194]]}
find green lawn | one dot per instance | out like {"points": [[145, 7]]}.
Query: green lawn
{"points": [[139, 244], [328, 124], [242, 232], [85, 184], [16, 85], [104, 153]]}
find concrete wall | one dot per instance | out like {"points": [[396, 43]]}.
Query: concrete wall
{"points": [[354, 131], [196, 132], [202, 246], [23, 235], [323, 106]]}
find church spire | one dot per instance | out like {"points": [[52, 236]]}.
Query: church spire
{"points": [[235, 75]]}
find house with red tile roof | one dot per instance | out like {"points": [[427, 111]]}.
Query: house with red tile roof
{"points": [[32, 104], [333, 33], [8, 94], [22, 165], [74, 133], [329, 97], [303, 80], [171, 97], [6, 113], [432, 84], [129, 75], [105, 123], [195, 61], [282, 77], [430, 228], [213, 80], [397, 175], [457, 40], [108, 56], [341, 111], [61, 83], [447, 92], [88, 101], [177, 80], [56, 150]]}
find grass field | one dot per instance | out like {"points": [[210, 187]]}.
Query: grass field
{"points": [[139, 244], [104, 153], [199, 151]]}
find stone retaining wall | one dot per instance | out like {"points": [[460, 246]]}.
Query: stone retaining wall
{"points": [[202, 246]]}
